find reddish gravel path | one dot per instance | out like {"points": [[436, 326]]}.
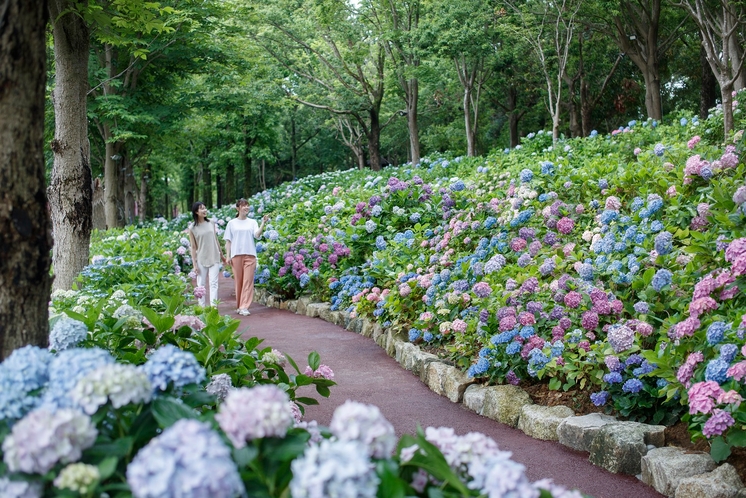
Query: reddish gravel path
{"points": [[364, 372]]}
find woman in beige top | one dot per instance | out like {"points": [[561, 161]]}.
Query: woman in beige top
{"points": [[206, 252]]}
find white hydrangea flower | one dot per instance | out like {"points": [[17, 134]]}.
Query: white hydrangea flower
{"points": [[118, 295], [220, 385], [334, 468], [42, 438], [355, 421], [78, 477], [262, 411], [121, 384], [19, 489]]}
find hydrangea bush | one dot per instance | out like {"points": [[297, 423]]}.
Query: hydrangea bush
{"points": [[612, 266]]}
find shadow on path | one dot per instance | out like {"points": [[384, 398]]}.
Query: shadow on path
{"points": [[365, 373]]}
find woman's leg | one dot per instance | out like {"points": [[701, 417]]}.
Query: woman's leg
{"points": [[201, 280], [247, 289], [214, 272], [238, 276]]}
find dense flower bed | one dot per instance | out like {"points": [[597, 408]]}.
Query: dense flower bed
{"points": [[141, 393], [613, 264]]}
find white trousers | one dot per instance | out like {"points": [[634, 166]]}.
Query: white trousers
{"points": [[209, 273]]}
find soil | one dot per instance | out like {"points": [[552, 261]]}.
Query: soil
{"points": [[676, 435]]}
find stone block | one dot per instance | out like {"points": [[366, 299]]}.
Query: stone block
{"points": [[619, 447], [446, 380], [412, 358], [270, 301], [578, 432], [367, 329], [541, 422], [377, 332], [355, 325], [303, 303], [293, 305], [313, 309], [325, 312], [391, 339], [664, 468], [505, 403], [722, 482], [474, 397]]}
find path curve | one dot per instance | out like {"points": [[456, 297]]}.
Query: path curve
{"points": [[364, 372]]}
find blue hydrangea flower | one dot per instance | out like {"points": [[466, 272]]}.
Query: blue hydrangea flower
{"points": [[479, 368], [600, 398], [603, 183], [632, 386], [659, 149], [67, 333], [414, 334], [458, 186], [189, 460], [526, 175], [513, 348], [664, 243], [716, 332], [428, 336], [661, 279], [642, 307], [26, 367], [728, 352], [304, 279], [66, 368], [613, 378], [716, 370], [169, 365]]}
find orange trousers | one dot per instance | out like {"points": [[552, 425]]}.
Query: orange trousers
{"points": [[244, 267]]}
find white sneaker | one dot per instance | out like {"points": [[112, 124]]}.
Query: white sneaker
{"points": [[244, 312]]}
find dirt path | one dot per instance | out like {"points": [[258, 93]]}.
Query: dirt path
{"points": [[365, 373]]}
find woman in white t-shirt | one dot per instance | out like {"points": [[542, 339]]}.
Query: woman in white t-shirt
{"points": [[206, 252], [240, 234]]}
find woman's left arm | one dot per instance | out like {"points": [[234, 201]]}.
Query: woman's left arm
{"points": [[259, 232]]}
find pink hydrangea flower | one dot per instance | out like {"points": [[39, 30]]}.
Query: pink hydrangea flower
{"points": [[565, 225], [459, 326], [573, 299], [730, 398], [693, 142], [737, 371], [702, 305], [613, 203], [671, 192], [703, 396]]}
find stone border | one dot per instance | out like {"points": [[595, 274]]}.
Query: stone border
{"points": [[617, 446]]}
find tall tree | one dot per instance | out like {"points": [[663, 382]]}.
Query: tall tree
{"points": [[70, 191], [721, 25], [329, 47], [24, 217], [465, 33]]}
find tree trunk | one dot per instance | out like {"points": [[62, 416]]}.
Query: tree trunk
{"points": [[652, 92], [207, 186], [112, 163], [128, 190], [230, 184], [246, 175], [708, 86], [24, 218], [374, 140], [471, 149], [726, 97], [71, 190], [143, 202], [414, 131]]}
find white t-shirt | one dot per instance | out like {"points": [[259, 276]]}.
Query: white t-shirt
{"points": [[241, 234]]}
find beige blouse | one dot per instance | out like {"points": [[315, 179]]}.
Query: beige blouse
{"points": [[206, 243]]}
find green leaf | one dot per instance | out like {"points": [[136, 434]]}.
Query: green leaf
{"points": [[314, 360], [169, 410], [107, 467], [245, 455], [719, 449]]}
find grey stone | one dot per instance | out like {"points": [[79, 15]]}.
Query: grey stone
{"points": [[474, 397], [578, 432], [446, 380], [355, 325], [367, 329], [283, 305], [325, 312], [293, 305], [303, 303], [723, 482], [377, 332], [619, 448], [412, 358], [504, 403], [664, 468], [260, 295], [392, 338], [270, 302], [540, 422], [383, 338], [313, 309]]}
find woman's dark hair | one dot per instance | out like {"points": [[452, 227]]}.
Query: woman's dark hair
{"points": [[239, 203], [195, 208]]}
